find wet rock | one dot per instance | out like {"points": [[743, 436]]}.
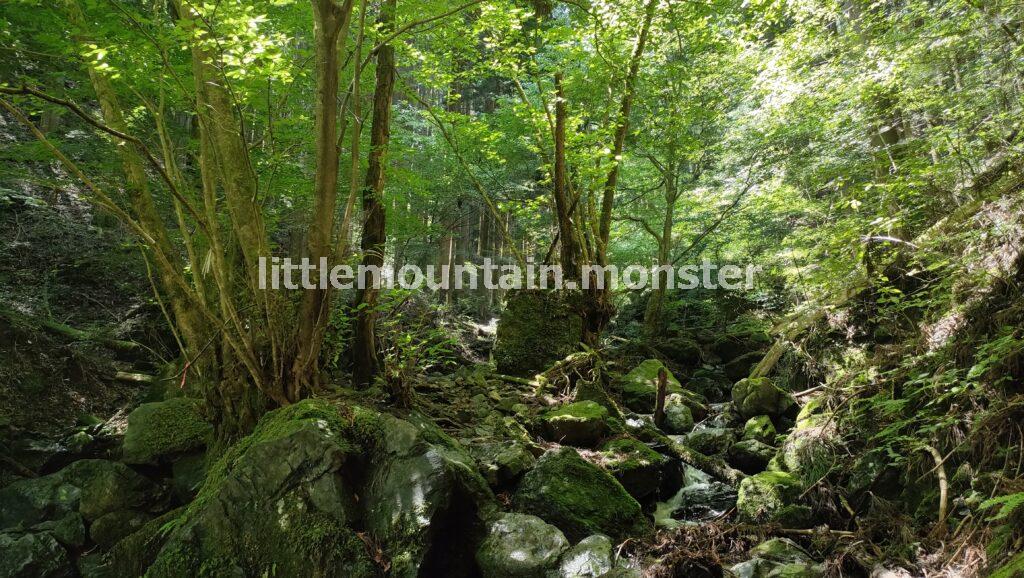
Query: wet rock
{"points": [[591, 558], [33, 555], [637, 467], [162, 430], [678, 416], [537, 328], [520, 546], [750, 456], [108, 529], [760, 428], [578, 497], [710, 441], [502, 463], [760, 396], [582, 424], [703, 501], [770, 497]]}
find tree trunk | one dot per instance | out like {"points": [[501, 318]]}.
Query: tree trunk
{"points": [[365, 355]]}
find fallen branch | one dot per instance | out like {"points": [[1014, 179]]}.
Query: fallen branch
{"points": [[68, 331]]}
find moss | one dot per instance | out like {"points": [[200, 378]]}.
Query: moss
{"points": [[537, 328], [766, 496], [134, 554], [579, 498], [157, 431], [1012, 569], [627, 453]]}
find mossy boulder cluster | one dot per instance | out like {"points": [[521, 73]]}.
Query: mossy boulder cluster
{"points": [[582, 423]]}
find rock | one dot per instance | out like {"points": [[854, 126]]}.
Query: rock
{"points": [[710, 441], [162, 430], [422, 496], [28, 502], [537, 328], [770, 497], [108, 486], [520, 546], [678, 416], [580, 498], [637, 467], [582, 424], [681, 350], [33, 556], [187, 476], [639, 389], [591, 558], [591, 391], [743, 337], [623, 572], [801, 570], [69, 530], [108, 529], [703, 501], [760, 428], [750, 456], [282, 484], [741, 367], [760, 396], [502, 463], [811, 449], [712, 383]]}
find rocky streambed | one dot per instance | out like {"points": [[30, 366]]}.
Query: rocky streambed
{"points": [[487, 477]]}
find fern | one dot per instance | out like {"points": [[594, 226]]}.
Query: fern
{"points": [[1008, 502]]}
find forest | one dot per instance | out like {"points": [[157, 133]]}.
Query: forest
{"points": [[702, 288]]}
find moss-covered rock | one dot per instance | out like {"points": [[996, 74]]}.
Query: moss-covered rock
{"points": [[110, 528], [760, 396], [582, 423], [162, 430], [741, 366], [760, 428], [639, 389], [580, 498], [766, 496], [33, 555], [28, 502], [681, 350], [502, 463], [591, 558], [741, 337], [275, 502], [710, 441], [520, 546], [637, 467], [678, 415], [537, 328], [750, 456], [108, 486]]}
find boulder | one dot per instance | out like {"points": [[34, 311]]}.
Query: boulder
{"points": [[30, 501], [520, 546], [108, 486], [160, 431], [741, 367], [760, 396], [703, 501], [639, 389], [591, 558], [770, 497], [110, 528], [187, 475], [537, 328], [294, 482], [678, 416], [582, 424], [580, 498], [637, 467], [502, 463], [36, 555], [812, 448], [740, 338], [710, 441], [681, 350], [422, 497], [760, 428], [750, 456]]}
